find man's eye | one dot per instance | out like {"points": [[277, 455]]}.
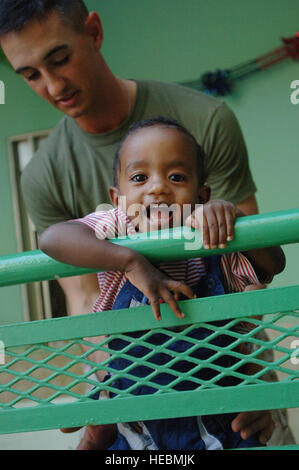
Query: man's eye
{"points": [[177, 177], [61, 61], [139, 178], [33, 76]]}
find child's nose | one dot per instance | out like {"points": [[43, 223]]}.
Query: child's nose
{"points": [[158, 185]]}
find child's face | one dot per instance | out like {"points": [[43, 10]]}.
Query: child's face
{"points": [[158, 169]]}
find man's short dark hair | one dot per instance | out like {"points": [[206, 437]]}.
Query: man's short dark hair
{"points": [[16, 14], [165, 122]]}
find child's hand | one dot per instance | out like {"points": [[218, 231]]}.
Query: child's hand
{"points": [[156, 285], [215, 220]]}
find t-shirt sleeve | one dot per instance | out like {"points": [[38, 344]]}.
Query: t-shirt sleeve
{"points": [[227, 166], [45, 206], [238, 272], [108, 225]]}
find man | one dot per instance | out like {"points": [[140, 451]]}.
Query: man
{"points": [[56, 47]]}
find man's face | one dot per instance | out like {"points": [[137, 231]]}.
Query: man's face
{"points": [[58, 63], [158, 171]]}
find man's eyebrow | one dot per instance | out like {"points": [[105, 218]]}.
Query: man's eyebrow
{"points": [[49, 54], [54, 50], [22, 69]]}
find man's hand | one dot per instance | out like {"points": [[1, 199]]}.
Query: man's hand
{"points": [[254, 422], [215, 220], [99, 437], [248, 423], [156, 286]]}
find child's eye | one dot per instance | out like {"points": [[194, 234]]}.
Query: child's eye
{"points": [[177, 177], [138, 178]]}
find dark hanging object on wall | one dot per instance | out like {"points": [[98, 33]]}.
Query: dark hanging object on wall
{"points": [[218, 83], [221, 82]]}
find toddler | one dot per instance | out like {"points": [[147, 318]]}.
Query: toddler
{"points": [[159, 171]]}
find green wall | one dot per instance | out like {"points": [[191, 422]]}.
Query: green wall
{"points": [[175, 41]]}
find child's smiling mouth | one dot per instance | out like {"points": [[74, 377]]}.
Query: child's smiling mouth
{"points": [[155, 216], [159, 215]]}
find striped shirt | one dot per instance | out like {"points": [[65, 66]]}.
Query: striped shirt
{"points": [[236, 269]]}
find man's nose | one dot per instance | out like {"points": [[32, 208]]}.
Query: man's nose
{"points": [[55, 85]]}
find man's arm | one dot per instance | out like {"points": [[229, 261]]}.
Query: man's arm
{"points": [[249, 205], [267, 262], [226, 159], [81, 293], [262, 258]]}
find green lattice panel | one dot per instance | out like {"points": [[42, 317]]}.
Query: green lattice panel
{"points": [[48, 377]]}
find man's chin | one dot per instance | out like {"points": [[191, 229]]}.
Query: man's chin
{"points": [[74, 113]]}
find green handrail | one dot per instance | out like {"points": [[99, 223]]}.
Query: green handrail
{"points": [[257, 231]]}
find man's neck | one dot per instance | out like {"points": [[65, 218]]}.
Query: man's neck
{"points": [[112, 109]]}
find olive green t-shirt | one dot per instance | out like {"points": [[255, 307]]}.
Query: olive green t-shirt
{"points": [[71, 172]]}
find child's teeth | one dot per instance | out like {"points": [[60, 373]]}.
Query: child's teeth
{"points": [[159, 213]]}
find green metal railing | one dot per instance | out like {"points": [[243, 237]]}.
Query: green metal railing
{"points": [[275, 228], [48, 377]]}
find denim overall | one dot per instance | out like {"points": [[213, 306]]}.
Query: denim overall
{"points": [[188, 433]]}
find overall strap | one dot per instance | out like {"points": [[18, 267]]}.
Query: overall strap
{"points": [[211, 283], [212, 264]]}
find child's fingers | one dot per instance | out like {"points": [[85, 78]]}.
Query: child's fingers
{"points": [[230, 219], [182, 288], [191, 221], [178, 288], [222, 226], [205, 232], [176, 296], [195, 220], [211, 234], [155, 304], [170, 300]]}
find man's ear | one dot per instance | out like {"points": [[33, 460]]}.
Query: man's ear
{"points": [[94, 29], [204, 194], [114, 195]]}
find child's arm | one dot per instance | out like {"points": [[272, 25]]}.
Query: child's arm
{"points": [[75, 243], [216, 219]]}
